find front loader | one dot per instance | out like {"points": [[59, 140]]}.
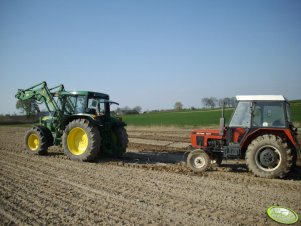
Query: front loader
{"points": [[260, 130], [79, 121]]}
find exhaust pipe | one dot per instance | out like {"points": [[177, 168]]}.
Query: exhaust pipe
{"points": [[222, 122]]}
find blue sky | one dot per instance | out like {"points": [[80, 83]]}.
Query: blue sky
{"points": [[151, 53]]}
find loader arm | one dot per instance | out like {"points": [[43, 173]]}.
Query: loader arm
{"points": [[41, 93], [64, 99]]}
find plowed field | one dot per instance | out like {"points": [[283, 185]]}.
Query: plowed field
{"points": [[149, 186]]}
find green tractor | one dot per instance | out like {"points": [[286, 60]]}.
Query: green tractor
{"points": [[80, 121]]}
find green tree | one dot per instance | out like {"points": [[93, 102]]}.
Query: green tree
{"points": [[206, 102], [137, 108], [178, 106], [29, 107], [209, 102]]}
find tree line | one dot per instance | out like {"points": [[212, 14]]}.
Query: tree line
{"points": [[30, 107], [210, 102]]}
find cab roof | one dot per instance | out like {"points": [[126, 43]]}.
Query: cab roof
{"points": [[260, 98], [90, 93]]}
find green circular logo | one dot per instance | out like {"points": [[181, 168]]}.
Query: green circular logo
{"points": [[282, 214]]}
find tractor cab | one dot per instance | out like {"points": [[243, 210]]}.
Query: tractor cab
{"points": [[86, 102], [260, 130], [255, 112]]}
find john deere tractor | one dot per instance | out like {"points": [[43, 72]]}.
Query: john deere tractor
{"points": [[261, 131], [80, 121]]}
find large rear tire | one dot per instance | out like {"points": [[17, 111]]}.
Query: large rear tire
{"points": [[269, 157], [198, 160], [81, 140], [120, 141], [37, 140]]}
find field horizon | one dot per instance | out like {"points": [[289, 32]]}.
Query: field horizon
{"points": [[195, 118]]}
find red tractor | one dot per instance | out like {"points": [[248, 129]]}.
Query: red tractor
{"points": [[261, 131]]}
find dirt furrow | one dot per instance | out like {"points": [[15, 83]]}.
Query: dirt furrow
{"points": [[59, 198], [14, 215], [175, 204], [20, 207], [125, 197], [78, 191], [54, 163], [8, 218], [179, 198], [149, 186]]}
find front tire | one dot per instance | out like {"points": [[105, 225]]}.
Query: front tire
{"points": [[81, 140], [37, 140], [269, 157], [198, 161]]}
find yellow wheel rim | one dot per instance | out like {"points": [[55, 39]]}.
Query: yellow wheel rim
{"points": [[77, 141], [33, 142]]}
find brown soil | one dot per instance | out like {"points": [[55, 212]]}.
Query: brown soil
{"points": [[149, 186]]}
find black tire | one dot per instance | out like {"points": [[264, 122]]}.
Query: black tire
{"points": [[269, 157], [120, 141], [37, 140], [47, 134], [198, 161], [81, 140]]}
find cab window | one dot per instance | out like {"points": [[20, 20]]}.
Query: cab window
{"points": [[77, 103], [242, 115], [268, 115]]}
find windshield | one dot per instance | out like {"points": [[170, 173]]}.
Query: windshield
{"points": [[268, 114], [85, 105], [75, 104], [242, 115]]}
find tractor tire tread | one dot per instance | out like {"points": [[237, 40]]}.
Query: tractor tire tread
{"points": [[269, 139], [43, 140], [94, 140], [190, 160], [122, 142]]}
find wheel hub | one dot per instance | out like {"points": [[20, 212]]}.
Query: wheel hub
{"points": [[33, 142], [199, 162], [77, 141], [268, 158]]}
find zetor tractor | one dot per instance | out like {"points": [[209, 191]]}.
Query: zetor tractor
{"points": [[80, 121], [261, 131]]}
